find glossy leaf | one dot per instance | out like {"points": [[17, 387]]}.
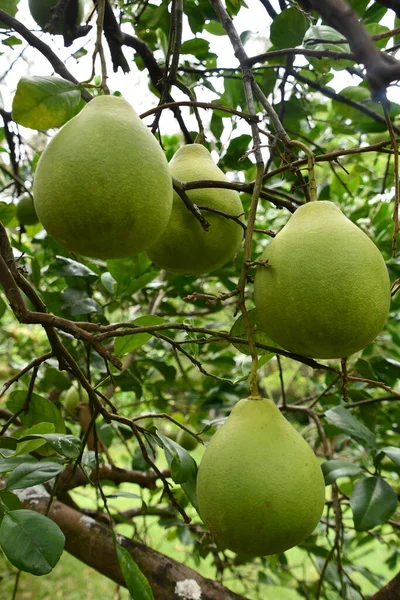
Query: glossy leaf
{"points": [[288, 28], [28, 474], [333, 469], [373, 501], [137, 584], [128, 343], [66, 445], [31, 542], [344, 420], [39, 409], [44, 102]]}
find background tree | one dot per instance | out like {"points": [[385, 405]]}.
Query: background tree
{"points": [[154, 353]]}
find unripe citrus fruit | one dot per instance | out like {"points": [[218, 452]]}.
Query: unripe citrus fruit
{"points": [[75, 395], [185, 247], [102, 186], [326, 291], [26, 213], [260, 488]]}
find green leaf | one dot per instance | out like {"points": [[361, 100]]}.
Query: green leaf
{"points": [[183, 467], [128, 343], [8, 213], [11, 463], [288, 28], [77, 302], [44, 102], [137, 584], [215, 28], [393, 453], [10, 500], [7, 444], [40, 409], [3, 306], [196, 46], [28, 475], [10, 6], [109, 282], [333, 469], [66, 267], [66, 445], [373, 501], [13, 40], [180, 462], [31, 541], [29, 445], [344, 420], [239, 330]]}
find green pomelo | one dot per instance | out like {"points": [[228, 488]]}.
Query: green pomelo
{"points": [[26, 213], [185, 247], [74, 396], [41, 12], [326, 293], [186, 440], [102, 187], [260, 488]]}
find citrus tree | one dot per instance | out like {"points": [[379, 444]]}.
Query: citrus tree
{"points": [[116, 374]]}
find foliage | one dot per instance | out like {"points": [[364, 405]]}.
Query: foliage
{"points": [[175, 358]]}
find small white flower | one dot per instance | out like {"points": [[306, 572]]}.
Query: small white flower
{"points": [[188, 589]]}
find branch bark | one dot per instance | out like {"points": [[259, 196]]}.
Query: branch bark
{"points": [[381, 68], [92, 543], [43, 48], [391, 591]]}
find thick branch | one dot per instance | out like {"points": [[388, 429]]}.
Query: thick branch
{"points": [[391, 591], [43, 48], [92, 543], [393, 4], [381, 69], [70, 480]]}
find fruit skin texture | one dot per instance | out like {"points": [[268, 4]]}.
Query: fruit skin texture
{"points": [[260, 488], [102, 186], [75, 396], [185, 247], [40, 11], [26, 213], [326, 293]]}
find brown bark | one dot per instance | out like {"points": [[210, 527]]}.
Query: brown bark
{"points": [[91, 543], [381, 68], [391, 591], [69, 480]]}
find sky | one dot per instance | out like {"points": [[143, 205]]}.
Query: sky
{"points": [[134, 86]]}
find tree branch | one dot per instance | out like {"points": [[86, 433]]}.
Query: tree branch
{"points": [[381, 69], [92, 543], [43, 48]]}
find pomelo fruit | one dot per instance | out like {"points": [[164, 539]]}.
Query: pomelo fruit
{"points": [[74, 396], [26, 213], [186, 440], [102, 187], [326, 293], [185, 247], [260, 488]]}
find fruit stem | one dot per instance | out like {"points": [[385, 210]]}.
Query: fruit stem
{"points": [[312, 182]]}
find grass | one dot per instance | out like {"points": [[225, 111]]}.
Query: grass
{"points": [[72, 580]]}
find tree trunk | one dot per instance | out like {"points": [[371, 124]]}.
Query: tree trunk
{"points": [[91, 543]]}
